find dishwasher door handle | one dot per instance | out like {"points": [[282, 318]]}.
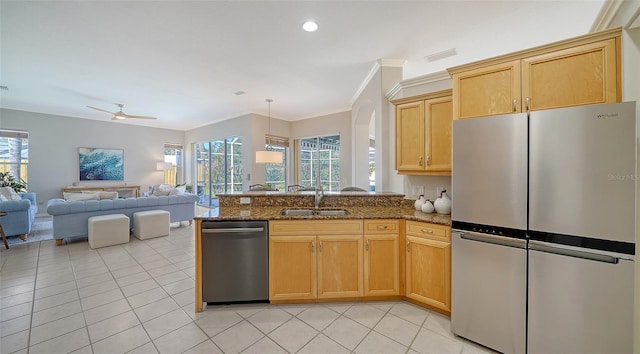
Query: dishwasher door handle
{"points": [[237, 229], [496, 240]]}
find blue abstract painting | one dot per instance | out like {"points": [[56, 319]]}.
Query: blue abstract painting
{"points": [[101, 164]]}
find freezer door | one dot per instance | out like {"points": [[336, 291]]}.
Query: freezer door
{"points": [[579, 304], [582, 171], [489, 176], [488, 290]]}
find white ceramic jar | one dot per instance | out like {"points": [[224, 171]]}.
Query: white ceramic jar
{"points": [[419, 202], [427, 207], [443, 204]]}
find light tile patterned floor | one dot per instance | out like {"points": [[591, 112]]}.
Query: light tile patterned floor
{"points": [[138, 298]]}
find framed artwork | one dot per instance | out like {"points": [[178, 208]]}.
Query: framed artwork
{"points": [[96, 164]]}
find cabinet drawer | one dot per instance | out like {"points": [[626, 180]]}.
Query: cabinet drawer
{"points": [[315, 227], [426, 230], [381, 226]]}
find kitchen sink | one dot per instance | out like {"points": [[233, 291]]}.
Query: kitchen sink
{"points": [[312, 212], [296, 212], [333, 212]]}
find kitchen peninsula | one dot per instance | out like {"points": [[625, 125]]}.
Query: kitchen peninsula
{"points": [[355, 246]]}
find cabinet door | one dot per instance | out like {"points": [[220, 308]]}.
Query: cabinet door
{"points": [[438, 116], [340, 266], [410, 136], [581, 75], [381, 265], [428, 272], [487, 91], [292, 267]]}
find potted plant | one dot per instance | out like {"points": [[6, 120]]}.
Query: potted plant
{"points": [[7, 180]]}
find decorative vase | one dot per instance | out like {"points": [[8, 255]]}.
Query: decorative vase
{"points": [[427, 207], [419, 202], [443, 204]]}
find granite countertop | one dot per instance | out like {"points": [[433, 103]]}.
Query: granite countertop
{"points": [[355, 212]]}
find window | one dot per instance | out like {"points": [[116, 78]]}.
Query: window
{"points": [[319, 158], [218, 168], [14, 153], [275, 173], [173, 154]]}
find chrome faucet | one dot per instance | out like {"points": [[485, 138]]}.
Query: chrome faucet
{"points": [[319, 195]]}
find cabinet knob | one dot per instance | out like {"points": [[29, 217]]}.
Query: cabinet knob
{"points": [[526, 103], [367, 245], [428, 160], [320, 247], [408, 248], [426, 231], [313, 246], [420, 161], [515, 102], [382, 227]]}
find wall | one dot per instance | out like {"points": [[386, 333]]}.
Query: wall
{"points": [[337, 123], [54, 142], [372, 103]]}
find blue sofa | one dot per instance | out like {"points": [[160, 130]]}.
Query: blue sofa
{"points": [[20, 217], [70, 219]]}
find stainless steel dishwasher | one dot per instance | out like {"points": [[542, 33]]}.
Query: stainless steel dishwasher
{"points": [[235, 261]]}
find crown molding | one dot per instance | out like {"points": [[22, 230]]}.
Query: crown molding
{"points": [[616, 13], [376, 66], [606, 15], [417, 81]]}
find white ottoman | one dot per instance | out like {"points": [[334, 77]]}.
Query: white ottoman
{"points": [[151, 223], [108, 230]]}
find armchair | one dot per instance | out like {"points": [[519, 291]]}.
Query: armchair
{"points": [[21, 214]]}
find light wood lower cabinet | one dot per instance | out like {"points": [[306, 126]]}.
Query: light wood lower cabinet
{"points": [[340, 266], [381, 258], [428, 264], [315, 259], [292, 267]]}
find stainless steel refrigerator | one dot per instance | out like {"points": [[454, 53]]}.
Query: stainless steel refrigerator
{"points": [[543, 240]]}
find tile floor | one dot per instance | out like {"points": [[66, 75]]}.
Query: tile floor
{"points": [[138, 298]]}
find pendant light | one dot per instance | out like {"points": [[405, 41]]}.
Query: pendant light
{"points": [[269, 155]]}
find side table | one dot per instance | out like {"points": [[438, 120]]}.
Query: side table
{"points": [[4, 237]]}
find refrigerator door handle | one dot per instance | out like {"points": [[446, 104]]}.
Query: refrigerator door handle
{"points": [[496, 240], [573, 253]]}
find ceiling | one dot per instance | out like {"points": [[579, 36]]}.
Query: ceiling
{"points": [[182, 61]]}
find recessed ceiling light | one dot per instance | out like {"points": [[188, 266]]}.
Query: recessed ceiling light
{"points": [[239, 93], [310, 26]]}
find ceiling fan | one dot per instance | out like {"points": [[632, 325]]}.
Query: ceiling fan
{"points": [[120, 115]]}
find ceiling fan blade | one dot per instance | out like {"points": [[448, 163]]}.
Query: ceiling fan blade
{"points": [[99, 109], [140, 117]]}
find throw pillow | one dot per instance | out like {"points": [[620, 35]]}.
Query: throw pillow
{"points": [[10, 194], [75, 197], [108, 195], [163, 189]]}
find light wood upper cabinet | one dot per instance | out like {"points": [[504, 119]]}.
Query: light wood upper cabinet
{"points": [[585, 74], [428, 264], [423, 134], [410, 136], [578, 71], [487, 91], [381, 258]]}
